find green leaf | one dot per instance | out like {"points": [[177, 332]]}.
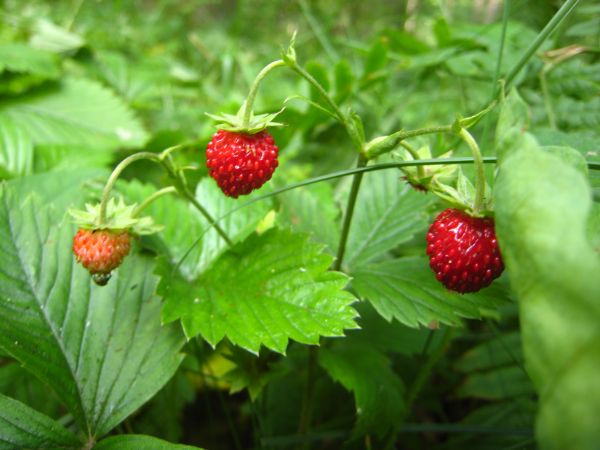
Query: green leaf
{"points": [[378, 391], [500, 383], [319, 72], [50, 37], [139, 442], [376, 59], [61, 157], [188, 237], [543, 204], [312, 210], [76, 112], [101, 349], [21, 58], [264, 291], [16, 150], [344, 80], [388, 213], [22, 427], [405, 289], [502, 350]]}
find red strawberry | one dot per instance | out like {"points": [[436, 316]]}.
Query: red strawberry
{"points": [[463, 251], [101, 251], [241, 162]]}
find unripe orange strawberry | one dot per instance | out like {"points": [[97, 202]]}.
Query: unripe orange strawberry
{"points": [[101, 251]]}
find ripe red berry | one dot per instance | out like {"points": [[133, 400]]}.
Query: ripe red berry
{"points": [[241, 162], [101, 251], [463, 251]]}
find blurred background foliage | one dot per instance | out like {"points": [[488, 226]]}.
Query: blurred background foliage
{"points": [[402, 64]]}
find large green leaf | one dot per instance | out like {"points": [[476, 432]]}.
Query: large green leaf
{"points": [[405, 289], [101, 349], [16, 150], [188, 237], [139, 442], [22, 427], [378, 391], [264, 291], [77, 112], [543, 203], [388, 212]]}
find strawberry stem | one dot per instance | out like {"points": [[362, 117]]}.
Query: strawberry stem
{"points": [[246, 109], [479, 169], [152, 198], [114, 177]]}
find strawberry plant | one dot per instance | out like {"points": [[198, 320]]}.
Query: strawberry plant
{"points": [[385, 235]]}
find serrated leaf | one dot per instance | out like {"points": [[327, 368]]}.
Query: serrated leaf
{"points": [[264, 291], [75, 112], [139, 442], [388, 213], [189, 239], [101, 349], [378, 391], [21, 58], [405, 289], [16, 150], [22, 427]]}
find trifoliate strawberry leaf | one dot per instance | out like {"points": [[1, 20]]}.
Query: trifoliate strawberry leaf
{"points": [[264, 291], [101, 349], [378, 391], [388, 212], [405, 289], [22, 427], [78, 112]]}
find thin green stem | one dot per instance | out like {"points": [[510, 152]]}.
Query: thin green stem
{"points": [[115, 175], [309, 392], [153, 197], [320, 89], [426, 369], [415, 156], [505, 17], [362, 161], [394, 139], [211, 220], [560, 15], [479, 169], [249, 103], [547, 101]]}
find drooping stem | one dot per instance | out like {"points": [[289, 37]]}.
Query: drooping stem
{"points": [[396, 138], [362, 161], [479, 169], [153, 197], [115, 175], [211, 220], [248, 104]]}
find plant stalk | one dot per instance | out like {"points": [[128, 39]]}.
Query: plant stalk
{"points": [[362, 161], [249, 103], [153, 197], [479, 169]]}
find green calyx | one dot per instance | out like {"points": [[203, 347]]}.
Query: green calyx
{"points": [[463, 195], [119, 216], [255, 124]]}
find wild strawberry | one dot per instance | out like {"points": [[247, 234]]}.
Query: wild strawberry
{"points": [[463, 251], [241, 162], [101, 251]]}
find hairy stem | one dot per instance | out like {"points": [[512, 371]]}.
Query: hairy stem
{"points": [[115, 175], [479, 169], [249, 103]]}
